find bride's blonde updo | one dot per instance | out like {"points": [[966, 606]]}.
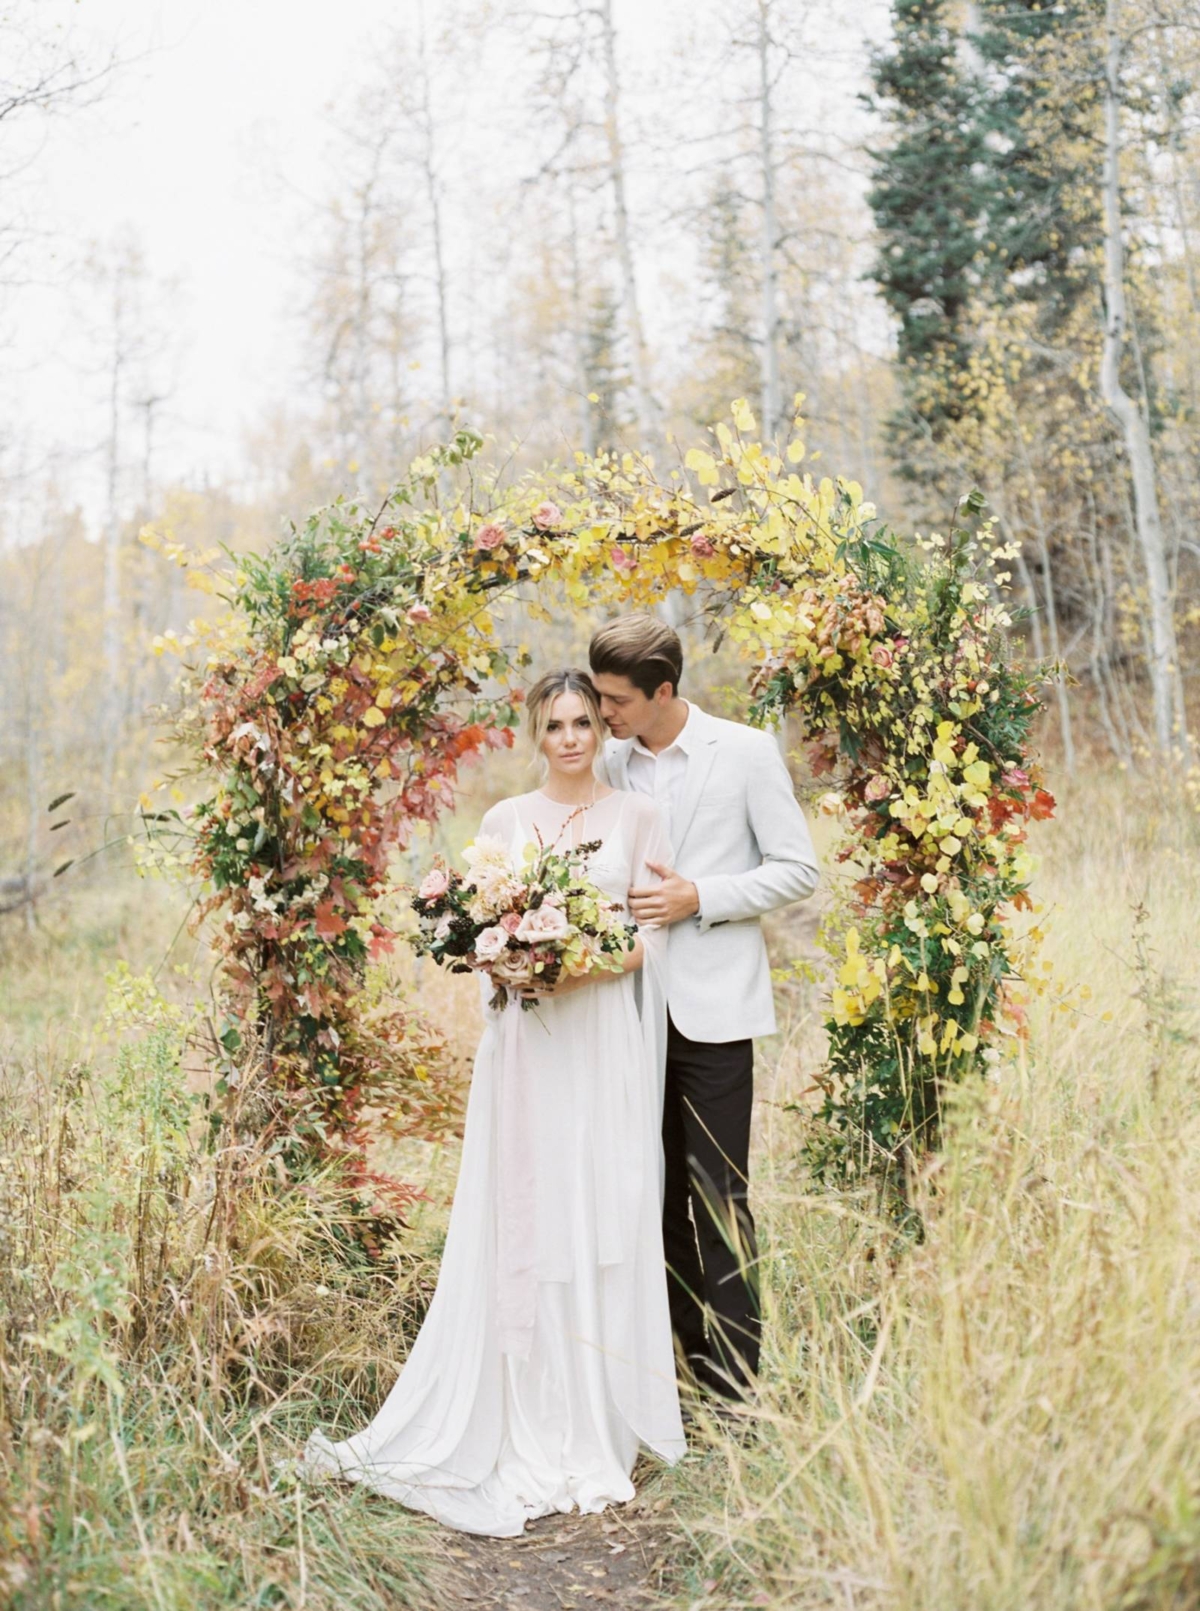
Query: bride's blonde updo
{"points": [[539, 702]]}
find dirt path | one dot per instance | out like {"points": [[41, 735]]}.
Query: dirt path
{"points": [[566, 1563]]}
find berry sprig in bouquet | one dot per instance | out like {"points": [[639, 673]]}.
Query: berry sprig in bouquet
{"points": [[525, 927]]}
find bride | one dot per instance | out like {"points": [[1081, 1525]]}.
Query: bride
{"points": [[546, 1356]]}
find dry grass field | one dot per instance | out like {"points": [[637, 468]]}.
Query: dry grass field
{"points": [[1005, 1414], [1001, 1413]]}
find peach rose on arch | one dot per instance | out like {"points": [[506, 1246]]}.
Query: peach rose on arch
{"points": [[490, 536]]}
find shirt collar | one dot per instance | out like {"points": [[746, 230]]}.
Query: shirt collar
{"points": [[684, 740]]}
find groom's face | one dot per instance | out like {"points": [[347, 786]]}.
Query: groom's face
{"points": [[629, 712]]}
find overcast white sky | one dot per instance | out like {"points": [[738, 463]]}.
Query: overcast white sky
{"points": [[206, 148], [186, 150]]}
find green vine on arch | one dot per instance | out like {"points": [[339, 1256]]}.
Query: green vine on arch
{"points": [[359, 665]]}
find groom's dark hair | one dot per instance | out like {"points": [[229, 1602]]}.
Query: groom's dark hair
{"points": [[640, 647]]}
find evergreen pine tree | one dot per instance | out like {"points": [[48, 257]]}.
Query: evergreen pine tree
{"points": [[927, 200]]}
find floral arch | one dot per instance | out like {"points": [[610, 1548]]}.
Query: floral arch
{"points": [[360, 665]]}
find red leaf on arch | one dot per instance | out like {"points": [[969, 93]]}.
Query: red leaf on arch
{"points": [[329, 924]]}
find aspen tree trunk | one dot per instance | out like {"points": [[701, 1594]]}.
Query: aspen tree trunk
{"points": [[1060, 682], [647, 408], [1169, 720], [587, 422], [111, 698], [33, 774], [435, 215], [771, 406], [363, 433]]}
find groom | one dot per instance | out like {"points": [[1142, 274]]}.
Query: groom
{"points": [[741, 848]]}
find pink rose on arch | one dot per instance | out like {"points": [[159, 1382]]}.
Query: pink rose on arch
{"points": [[510, 922], [420, 612], [703, 547], [546, 516], [878, 788], [489, 943], [434, 885], [490, 536], [513, 969], [541, 924], [621, 561], [882, 655]]}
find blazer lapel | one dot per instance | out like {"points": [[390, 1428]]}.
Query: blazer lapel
{"points": [[699, 765]]}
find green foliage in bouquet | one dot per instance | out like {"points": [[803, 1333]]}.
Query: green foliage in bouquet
{"points": [[524, 927]]}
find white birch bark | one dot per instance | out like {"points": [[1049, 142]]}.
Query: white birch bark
{"points": [[429, 170], [648, 412], [587, 422], [771, 403], [111, 604], [1169, 721]]}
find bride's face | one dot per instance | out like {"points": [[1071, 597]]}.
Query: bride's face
{"points": [[571, 738]]}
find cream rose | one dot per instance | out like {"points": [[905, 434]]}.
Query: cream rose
{"points": [[544, 923], [489, 943]]}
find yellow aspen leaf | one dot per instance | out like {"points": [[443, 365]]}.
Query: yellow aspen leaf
{"points": [[743, 416], [704, 465], [373, 717], [796, 451]]}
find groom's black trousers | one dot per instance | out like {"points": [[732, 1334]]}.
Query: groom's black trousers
{"points": [[708, 1232]]}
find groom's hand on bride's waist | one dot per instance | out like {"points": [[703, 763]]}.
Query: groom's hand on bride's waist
{"points": [[667, 902]]}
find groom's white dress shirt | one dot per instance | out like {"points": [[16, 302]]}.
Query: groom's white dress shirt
{"points": [[740, 836], [662, 776]]}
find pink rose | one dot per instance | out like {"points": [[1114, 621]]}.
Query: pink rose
{"points": [[542, 924], [878, 788], [621, 561], [420, 612], [546, 516], [489, 943], [510, 922], [490, 536], [434, 885], [512, 969], [882, 655], [703, 547]]}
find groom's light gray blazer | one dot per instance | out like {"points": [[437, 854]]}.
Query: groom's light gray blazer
{"points": [[740, 836]]}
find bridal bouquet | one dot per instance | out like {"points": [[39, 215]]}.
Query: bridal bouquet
{"points": [[520, 925]]}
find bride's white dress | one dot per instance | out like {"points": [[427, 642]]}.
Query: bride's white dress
{"points": [[546, 1356]]}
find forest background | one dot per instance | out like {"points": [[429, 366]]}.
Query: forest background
{"points": [[968, 234]]}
